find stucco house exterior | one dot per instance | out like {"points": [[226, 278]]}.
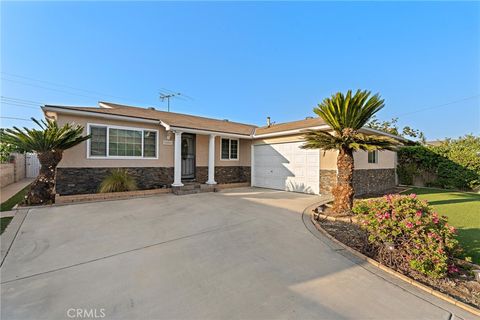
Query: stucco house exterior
{"points": [[166, 149]]}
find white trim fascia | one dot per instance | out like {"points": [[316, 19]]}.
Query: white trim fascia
{"points": [[99, 115], [322, 127], [289, 132], [382, 133], [105, 106], [207, 132], [108, 157]]}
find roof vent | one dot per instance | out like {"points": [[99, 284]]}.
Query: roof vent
{"points": [[151, 108], [306, 118]]}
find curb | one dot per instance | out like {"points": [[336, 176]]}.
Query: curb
{"points": [[8, 236], [390, 271]]}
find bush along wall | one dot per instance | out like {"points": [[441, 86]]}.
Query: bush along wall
{"points": [[452, 165]]}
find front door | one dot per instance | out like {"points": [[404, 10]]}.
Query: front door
{"points": [[188, 156]]}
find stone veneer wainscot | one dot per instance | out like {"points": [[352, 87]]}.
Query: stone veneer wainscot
{"points": [[71, 181]]}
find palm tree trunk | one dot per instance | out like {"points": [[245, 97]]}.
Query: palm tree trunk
{"points": [[42, 189], [343, 192]]}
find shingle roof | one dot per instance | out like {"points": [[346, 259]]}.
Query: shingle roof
{"points": [[170, 118], [300, 124]]}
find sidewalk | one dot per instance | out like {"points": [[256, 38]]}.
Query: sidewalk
{"points": [[10, 190]]}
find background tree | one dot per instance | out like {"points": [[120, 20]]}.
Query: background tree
{"points": [[391, 127], [346, 114], [49, 143]]}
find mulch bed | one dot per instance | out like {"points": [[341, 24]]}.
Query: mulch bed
{"points": [[461, 286]]}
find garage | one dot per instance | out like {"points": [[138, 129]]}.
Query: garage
{"points": [[285, 166]]}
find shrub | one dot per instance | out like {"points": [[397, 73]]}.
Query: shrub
{"points": [[452, 164], [409, 228], [5, 150], [119, 180]]}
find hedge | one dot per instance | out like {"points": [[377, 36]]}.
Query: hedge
{"points": [[452, 165]]}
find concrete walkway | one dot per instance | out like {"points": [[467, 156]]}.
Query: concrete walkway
{"points": [[12, 189], [239, 254]]}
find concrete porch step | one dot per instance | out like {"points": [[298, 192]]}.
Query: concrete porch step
{"points": [[192, 188]]}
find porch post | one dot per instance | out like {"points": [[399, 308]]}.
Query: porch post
{"points": [[177, 166], [211, 160]]}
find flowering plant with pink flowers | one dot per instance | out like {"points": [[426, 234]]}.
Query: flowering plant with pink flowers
{"points": [[412, 229]]}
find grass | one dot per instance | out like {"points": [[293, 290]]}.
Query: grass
{"points": [[463, 212], [17, 198], [4, 223]]}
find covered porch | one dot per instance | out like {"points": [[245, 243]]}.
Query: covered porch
{"points": [[208, 157]]}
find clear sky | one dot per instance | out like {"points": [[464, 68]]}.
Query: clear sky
{"points": [[246, 61]]}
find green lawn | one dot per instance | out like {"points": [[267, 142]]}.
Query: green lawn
{"points": [[4, 223], [17, 198], [463, 212]]}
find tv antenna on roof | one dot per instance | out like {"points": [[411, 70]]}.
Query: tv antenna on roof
{"points": [[167, 96]]}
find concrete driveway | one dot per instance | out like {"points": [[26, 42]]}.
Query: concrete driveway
{"points": [[239, 254]]}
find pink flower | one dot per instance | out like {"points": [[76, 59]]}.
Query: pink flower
{"points": [[413, 195], [419, 213], [452, 269], [409, 225], [418, 222], [452, 229]]}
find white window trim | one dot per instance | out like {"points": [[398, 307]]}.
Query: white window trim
{"points": [[108, 126], [376, 157], [230, 149]]}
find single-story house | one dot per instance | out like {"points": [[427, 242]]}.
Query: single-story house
{"points": [[166, 149]]}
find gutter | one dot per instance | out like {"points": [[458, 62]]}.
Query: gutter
{"points": [[99, 115], [289, 132], [384, 134], [218, 133]]}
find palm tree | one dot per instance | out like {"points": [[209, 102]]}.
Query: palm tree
{"points": [[49, 144], [346, 115]]}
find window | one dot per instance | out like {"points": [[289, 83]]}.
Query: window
{"points": [[120, 142], [124, 143], [229, 149], [149, 144], [372, 156], [98, 141]]}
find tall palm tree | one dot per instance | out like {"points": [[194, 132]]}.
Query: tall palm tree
{"points": [[346, 114], [49, 143]]}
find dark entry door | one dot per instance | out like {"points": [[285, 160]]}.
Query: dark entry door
{"points": [[188, 156]]}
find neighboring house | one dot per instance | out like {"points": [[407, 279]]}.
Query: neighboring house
{"points": [[163, 149]]}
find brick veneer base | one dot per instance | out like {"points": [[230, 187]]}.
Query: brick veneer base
{"points": [[365, 181], [235, 174], [71, 181]]}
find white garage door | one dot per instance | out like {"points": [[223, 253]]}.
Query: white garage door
{"points": [[285, 166]]}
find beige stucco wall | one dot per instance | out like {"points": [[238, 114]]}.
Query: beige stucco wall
{"points": [[386, 160], [6, 174], [77, 156], [328, 160], [202, 141]]}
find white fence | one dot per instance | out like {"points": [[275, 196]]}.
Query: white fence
{"points": [[33, 165]]}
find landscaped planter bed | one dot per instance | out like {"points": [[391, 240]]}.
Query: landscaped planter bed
{"points": [[59, 199], [109, 196], [462, 286]]}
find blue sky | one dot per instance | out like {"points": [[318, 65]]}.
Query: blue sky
{"points": [[247, 61]]}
